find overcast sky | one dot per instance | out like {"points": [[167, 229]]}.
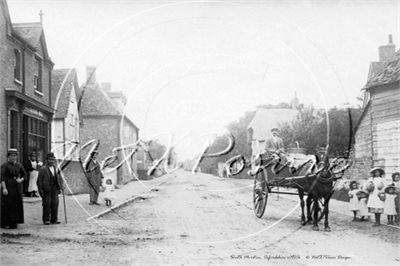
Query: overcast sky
{"points": [[199, 65]]}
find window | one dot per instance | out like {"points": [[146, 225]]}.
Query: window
{"points": [[37, 75], [17, 65], [37, 136]]}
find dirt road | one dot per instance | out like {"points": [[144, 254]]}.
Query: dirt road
{"points": [[204, 220]]}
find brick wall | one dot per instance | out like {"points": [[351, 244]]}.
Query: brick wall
{"points": [[29, 74], [359, 169], [105, 129], [75, 179], [3, 110]]}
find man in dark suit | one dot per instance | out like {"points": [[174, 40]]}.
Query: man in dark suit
{"points": [[95, 177], [274, 146], [50, 185]]}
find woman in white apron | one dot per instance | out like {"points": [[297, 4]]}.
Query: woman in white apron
{"points": [[33, 174]]}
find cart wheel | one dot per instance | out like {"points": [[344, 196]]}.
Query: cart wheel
{"points": [[320, 210], [260, 194]]}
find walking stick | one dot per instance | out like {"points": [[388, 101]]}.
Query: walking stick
{"points": [[65, 209], [63, 193]]}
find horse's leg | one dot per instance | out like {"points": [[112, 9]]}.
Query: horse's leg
{"points": [[326, 212], [309, 218], [301, 196], [316, 209]]}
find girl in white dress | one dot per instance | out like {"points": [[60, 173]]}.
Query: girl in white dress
{"points": [[353, 204], [376, 197], [109, 192], [389, 208]]}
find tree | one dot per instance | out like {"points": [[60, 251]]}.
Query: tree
{"points": [[310, 129], [339, 129], [157, 149], [281, 105], [302, 129], [239, 131]]}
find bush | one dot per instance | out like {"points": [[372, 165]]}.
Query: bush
{"points": [[341, 194]]}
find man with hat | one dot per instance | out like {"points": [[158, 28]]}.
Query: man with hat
{"points": [[12, 176], [275, 147], [50, 185], [95, 177]]}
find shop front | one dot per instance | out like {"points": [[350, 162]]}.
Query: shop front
{"points": [[29, 126]]}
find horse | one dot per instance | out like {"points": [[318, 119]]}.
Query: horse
{"points": [[310, 176], [319, 186]]}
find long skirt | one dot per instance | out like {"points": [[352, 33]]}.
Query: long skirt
{"points": [[12, 208], [32, 181]]}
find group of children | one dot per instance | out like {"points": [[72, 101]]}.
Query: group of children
{"points": [[376, 197]]}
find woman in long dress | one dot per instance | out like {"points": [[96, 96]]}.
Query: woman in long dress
{"points": [[12, 176]]}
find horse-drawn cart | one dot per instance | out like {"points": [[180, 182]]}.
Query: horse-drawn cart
{"points": [[309, 176]]}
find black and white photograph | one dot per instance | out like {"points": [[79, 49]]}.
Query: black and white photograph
{"points": [[215, 132]]}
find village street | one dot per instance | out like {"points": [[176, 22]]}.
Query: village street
{"points": [[185, 219]]}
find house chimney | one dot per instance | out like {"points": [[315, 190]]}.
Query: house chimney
{"points": [[106, 86], [387, 51], [90, 75]]}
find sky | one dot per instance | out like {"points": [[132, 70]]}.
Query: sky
{"points": [[192, 67]]}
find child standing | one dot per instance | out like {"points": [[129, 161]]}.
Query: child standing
{"points": [[353, 204], [389, 208], [396, 182], [109, 192], [375, 200], [362, 204]]}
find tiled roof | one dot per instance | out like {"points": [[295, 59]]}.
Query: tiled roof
{"points": [[390, 73], [96, 102], [31, 32], [61, 83]]}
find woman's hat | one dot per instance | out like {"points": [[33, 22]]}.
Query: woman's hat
{"points": [[32, 153], [381, 171], [393, 175], [12, 151], [387, 189], [50, 155], [274, 128]]}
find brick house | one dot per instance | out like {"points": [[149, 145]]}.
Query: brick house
{"points": [[25, 80], [103, 119], [377, 135]]}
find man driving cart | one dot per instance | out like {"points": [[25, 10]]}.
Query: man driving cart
{"points": [[274, 147]]}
